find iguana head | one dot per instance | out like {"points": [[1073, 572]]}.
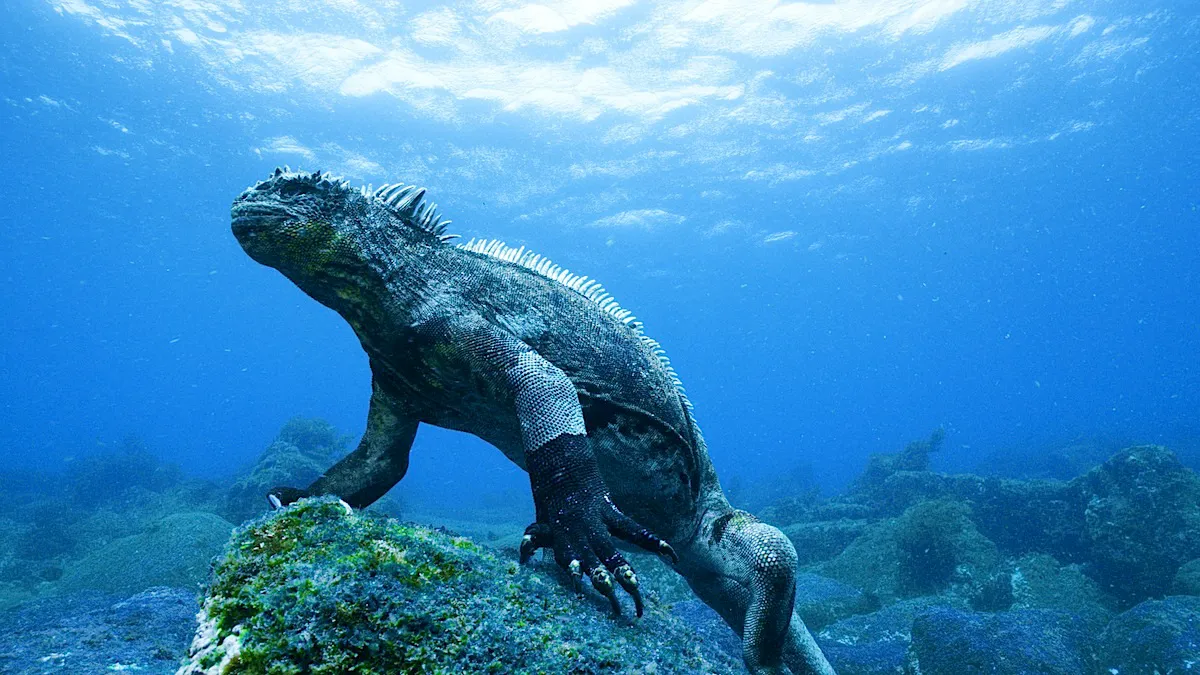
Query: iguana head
{"points": [[331, 240]]}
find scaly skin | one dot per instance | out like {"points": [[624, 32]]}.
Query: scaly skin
{"points": [[543, 365]]}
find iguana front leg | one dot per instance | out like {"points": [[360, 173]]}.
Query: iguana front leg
{"points": [[367, 473], [574, 510]]}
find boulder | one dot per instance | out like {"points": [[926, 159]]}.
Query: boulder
{"points": [[175, 551], [319, 588], [300, 453], [1040, 582], [1142, 521], [823, 540], [710, 628], [876, 643], [930, 547], [1019, 642], [820, 600], [1157, 637], [1187, 579]]}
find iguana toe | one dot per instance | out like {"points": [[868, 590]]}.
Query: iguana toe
{"points": [[537, 536], [576, 571], [627, 529], [665, 550], [602, 581], [581, 518], [629, 581], [618, 569]]}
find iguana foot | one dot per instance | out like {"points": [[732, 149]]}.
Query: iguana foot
{"points": [[280, 497], [580, 517], [538, 536]]}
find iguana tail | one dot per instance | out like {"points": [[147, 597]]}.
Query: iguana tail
{"points": [[746, 570]]}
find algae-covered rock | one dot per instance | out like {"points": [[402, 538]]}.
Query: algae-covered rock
{"points": [[1157, 636], [1142, 521], [870, 563], [710, 628], [316, 588], [820, 600], [1020, 642], [1131, 525], [913, 458], [103, 478], [933, 540], [175, 551], [824, 540], [1040, 582], [876, 643], [13, 594], [933, 545], [1187, 579]]}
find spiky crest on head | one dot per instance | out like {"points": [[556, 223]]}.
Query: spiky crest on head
{"points": [[406, 202]]}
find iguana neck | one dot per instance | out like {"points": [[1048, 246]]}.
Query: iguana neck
{"points": [[381, 298]]}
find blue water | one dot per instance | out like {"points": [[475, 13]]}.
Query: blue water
{"points": [[848, 225]]}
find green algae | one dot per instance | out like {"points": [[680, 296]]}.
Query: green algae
{"points": [[317, 588], [173, 551]]}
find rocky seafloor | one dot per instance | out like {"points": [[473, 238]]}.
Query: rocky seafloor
{"points": [[125, 565]]}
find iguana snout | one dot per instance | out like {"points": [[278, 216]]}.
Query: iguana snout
{"points": [[293, 222]]}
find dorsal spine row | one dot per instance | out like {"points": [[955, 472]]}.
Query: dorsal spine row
{"points": [[588, 288]]}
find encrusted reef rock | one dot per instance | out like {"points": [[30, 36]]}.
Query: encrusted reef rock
{"points": [[1038, 581], [1142, 521], [1019, 642], [1157, 636], [317, 588], [1131, 525], [176, 551], [820, 600], [877, 643], [913, 458], [985, 574], [1187, 579], [931, 547]]}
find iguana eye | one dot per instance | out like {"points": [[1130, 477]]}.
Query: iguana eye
{"points": [[296, 188]]}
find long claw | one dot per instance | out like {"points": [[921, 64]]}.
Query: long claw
{"points": [[623, 527], [536, 536], [281, 496], [528, 547], [576, 570], [602, 581], [629, 581], [665, 550]]}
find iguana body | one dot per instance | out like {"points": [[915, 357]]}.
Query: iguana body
{"points": [[542, 364]]}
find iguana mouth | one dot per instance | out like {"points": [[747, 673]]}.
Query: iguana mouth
{"points": [[259, 207], [247, 217]]}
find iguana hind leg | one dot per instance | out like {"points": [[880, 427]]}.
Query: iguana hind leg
{"points": [[576, 516], [745, 570], [379, 462]]}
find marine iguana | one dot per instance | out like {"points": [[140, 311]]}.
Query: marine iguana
{"points": [[543, 364]]}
